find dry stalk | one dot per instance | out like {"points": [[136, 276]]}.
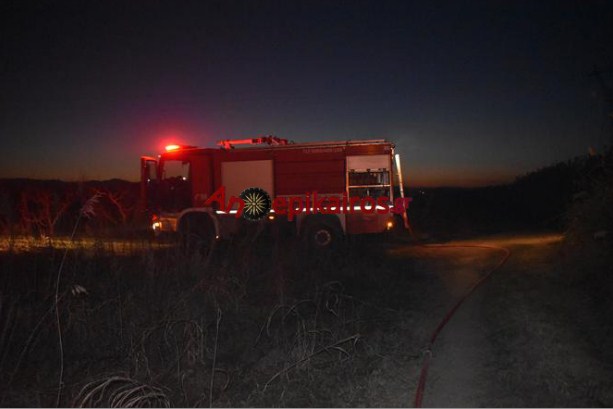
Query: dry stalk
{"points": [[128, 393], [8, 329], [354, 337], [214, 357], [267, 323], [86, 210], [272, 314], [196, 334], [26, 347]]}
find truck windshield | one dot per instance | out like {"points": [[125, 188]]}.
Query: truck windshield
{"points": [[176, 169]]}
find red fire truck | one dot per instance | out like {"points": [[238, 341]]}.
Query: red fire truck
{"points": [[185, 188]]}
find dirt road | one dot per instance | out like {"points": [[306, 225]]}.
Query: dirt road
{"points": [[525, 338]]}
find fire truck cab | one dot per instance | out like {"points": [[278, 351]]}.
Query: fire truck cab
{"points": [[359, 176]]}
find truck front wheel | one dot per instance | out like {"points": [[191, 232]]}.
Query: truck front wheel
{"points": [[197, 235]]}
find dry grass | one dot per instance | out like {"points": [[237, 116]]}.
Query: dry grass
{"points": [[120, 392], [181, 331]]}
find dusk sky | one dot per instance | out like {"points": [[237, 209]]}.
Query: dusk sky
{"points": [[471, 92]]}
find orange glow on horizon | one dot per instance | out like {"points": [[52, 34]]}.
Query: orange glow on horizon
{"points": [[457, 177]]}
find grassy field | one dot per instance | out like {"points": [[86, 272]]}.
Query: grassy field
{"points": [[145, 324]]}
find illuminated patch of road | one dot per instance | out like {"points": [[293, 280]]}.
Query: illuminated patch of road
{"points": [[25, 244], [453, 253]]}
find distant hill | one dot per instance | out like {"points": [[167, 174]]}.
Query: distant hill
{"points": [[541, 199]]}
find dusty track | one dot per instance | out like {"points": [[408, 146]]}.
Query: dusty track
{"points": [[519, 340]]}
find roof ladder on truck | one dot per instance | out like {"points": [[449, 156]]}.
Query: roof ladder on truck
{"points": [[262, 140]]}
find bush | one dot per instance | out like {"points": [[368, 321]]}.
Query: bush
{"points": [[590, 215]]}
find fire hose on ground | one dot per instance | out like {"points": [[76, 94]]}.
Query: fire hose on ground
{"points": [[423, 375]]}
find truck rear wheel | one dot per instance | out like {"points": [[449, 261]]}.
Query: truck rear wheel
{"points": [[322, 237]]}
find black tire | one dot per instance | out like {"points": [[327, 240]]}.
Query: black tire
{"points": [[323, 249], [321, 237], [197, 235]]}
